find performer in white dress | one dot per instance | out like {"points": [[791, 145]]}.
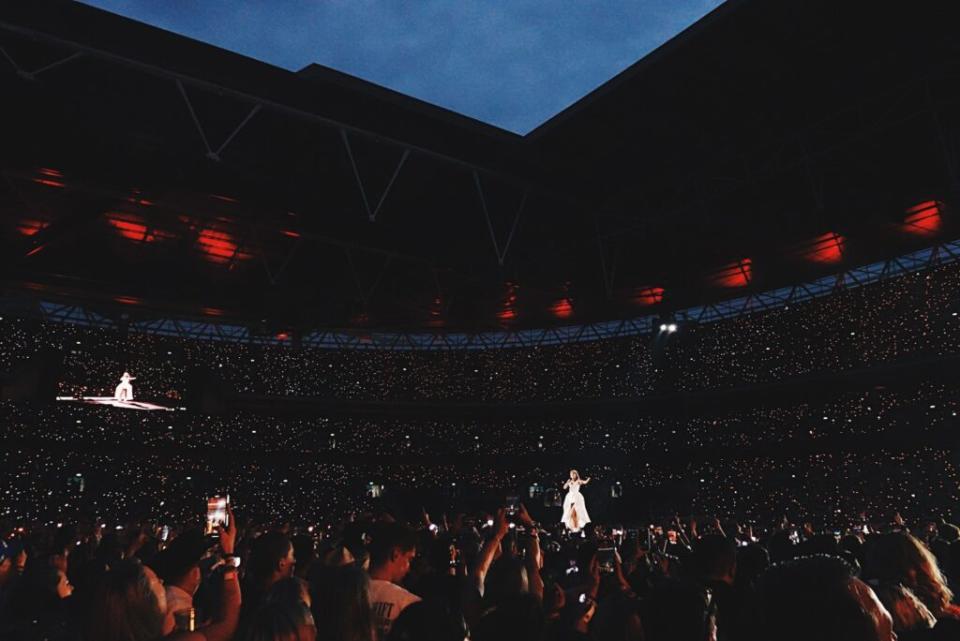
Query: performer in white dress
{"points": [[125, 389], [575, 515]]}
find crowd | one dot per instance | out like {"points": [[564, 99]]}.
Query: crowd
{"points": [[51, 485], [915, 408], [820, 515], [913, 316], [494, 574]]}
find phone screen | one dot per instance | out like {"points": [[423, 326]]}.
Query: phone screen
{"points": [[605, 559], [513, 505], [217, 513]]}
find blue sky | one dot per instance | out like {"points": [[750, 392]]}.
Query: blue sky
{"points": [[511, 63]]}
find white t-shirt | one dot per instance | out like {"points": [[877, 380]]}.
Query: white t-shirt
{"points": [[388, 600]]}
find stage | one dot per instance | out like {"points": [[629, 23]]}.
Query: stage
{"points": [[113, 402]]}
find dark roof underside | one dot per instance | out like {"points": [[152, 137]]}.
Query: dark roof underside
{"points": [[151, 172]]}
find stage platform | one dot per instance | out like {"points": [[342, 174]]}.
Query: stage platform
{"points": [[111, 401]]}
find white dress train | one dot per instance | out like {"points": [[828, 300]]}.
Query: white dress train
{"points": [[575, 515]]}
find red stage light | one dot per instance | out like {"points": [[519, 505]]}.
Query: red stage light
{"points": [[738, 274], [647, 296], [49, 183], [219, 246], [923, 219], [29, 227], [128, 228], [291, 233], [211, 311], [127, 300], [282, 336], [563, 308], [47, 171], [507, 311], [133, 227], [827, 248]]}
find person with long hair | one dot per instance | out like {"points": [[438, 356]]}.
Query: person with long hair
{"points": [[341, 603], [280, 620], [575, 516], [899, 557], [128, 604]]}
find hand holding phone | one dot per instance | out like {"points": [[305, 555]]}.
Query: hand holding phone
{"points": [[217, 514], [607, 560]]}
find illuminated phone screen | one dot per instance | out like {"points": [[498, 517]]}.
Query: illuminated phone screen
{"points": [[217, 513]]}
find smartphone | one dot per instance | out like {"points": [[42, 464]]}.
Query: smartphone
{"points": [[165, 533], [672, 536], [605, 557], [217, 513], [513, 505]]}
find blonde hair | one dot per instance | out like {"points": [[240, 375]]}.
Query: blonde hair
{"points": [[908, 612], [901, 558]]}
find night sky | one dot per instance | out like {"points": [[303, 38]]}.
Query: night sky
{"points": [[511, 63]]}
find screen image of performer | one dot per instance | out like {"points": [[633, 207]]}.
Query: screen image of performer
{"points": [[125, 389], [575, 515]]}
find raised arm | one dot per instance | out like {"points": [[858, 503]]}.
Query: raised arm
{"points": [[226, 627], [534, 554], [490, 550]]}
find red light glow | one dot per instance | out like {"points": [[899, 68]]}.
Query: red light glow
{"points": [[47, 171], [648, 296], [211, 311], [825, 249], [507, 311], [135, 228], [923, 219], [290, 233], [29, 227], [226, 199], [563, 308], [283, 336], [219, 246], [127, 300], [738, 274], [49, 183]]}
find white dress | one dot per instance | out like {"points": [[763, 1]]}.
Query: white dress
{"points": [[575, 515], [124, 391]]}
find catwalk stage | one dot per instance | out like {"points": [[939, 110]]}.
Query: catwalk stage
{"points": [[113, 402]]}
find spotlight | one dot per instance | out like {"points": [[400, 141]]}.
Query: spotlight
{"points": [[663, 327], [672, 327]]}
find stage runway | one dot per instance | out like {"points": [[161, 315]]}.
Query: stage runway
{"points": [[109, 400]]}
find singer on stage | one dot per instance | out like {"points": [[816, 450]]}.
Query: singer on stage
{"points": [[575, 515], [124, 390]]}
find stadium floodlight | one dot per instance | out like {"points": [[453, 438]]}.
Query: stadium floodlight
{"points": [[663, 327], [672, 327]]}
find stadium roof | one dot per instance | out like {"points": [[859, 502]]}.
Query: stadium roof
{"points": [[767, 144]]}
